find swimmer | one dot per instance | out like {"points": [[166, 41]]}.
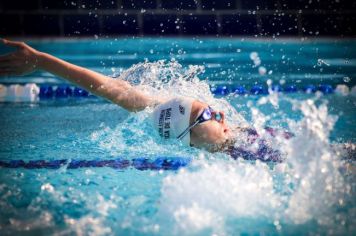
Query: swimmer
{"points": [[193, 122]]}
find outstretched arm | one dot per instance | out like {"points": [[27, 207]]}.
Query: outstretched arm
{"points": [[26, 60]]}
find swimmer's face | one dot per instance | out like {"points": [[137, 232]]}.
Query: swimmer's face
{"points": [[211, 132]]}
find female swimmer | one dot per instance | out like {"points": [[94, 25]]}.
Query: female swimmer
{"points": [[193, 122]]}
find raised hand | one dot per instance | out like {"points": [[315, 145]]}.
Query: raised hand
{"points": [[20, 62], [26, 60]]}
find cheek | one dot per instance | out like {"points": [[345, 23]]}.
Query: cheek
{"points": [[211, 133]]}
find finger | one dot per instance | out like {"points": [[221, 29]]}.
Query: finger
{"points": [[5, 58], [11, 62], [13, 43], [8, 67], [5, 70], [12, 69], [8, 73]]}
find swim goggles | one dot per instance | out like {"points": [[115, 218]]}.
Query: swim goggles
{"points": [[206, 115]]}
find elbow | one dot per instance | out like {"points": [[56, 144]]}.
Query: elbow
{"points": [[129, 106]]}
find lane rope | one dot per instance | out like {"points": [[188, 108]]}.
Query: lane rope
{"points": [[35, 92], [140, 163]]}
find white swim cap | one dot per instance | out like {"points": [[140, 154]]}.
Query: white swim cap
{"points": [[173, 117]]}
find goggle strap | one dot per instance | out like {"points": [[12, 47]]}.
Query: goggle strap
{"points": [[184, 133]]}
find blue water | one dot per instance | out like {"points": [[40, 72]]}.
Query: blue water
{"points": [[215, 194]]}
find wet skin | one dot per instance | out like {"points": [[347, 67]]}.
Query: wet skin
{"points": [[209, 133]]}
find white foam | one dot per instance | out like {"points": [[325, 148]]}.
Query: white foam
{"points": [[19, 93], [308, 186], [315, 168], [342, 89], [206, 198]]}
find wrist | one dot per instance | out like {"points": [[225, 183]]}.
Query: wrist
{"points": [[40, 59]]}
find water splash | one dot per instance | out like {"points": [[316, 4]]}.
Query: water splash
{"points": [[218, 191], [91, 224], [314, 166], [217, 195], [166, 79], [307, 187], [170, 79]]}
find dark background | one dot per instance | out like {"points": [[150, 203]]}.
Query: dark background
{"points": [[178, 17]]}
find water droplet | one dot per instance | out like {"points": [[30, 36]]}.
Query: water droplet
{"points": [[262, 70], [347, 79], [322, 62], [253, 55]]}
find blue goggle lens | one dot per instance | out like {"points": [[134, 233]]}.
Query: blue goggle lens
{"points": [[218, 117], [207, 114]]}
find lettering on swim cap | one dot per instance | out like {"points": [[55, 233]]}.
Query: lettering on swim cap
{"points": [[168, 114], [166, 134], [160, 122], [164, 123], [181, 109]]}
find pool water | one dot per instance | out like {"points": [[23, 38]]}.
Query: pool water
{"points": [[311, 192]]}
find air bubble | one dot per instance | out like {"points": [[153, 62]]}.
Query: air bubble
{"points": [[262, 70], [253, 55], [321, 62], [347, 79]]}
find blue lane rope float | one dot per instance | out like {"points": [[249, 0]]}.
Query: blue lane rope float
{"points": [[259, 89], [78, 92], [276, 88], [220, 90], [290, 89], [44, 91], [141, 163], [326, 88], [64, 91], [309, 88], [240, 90], [61, 91]]}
